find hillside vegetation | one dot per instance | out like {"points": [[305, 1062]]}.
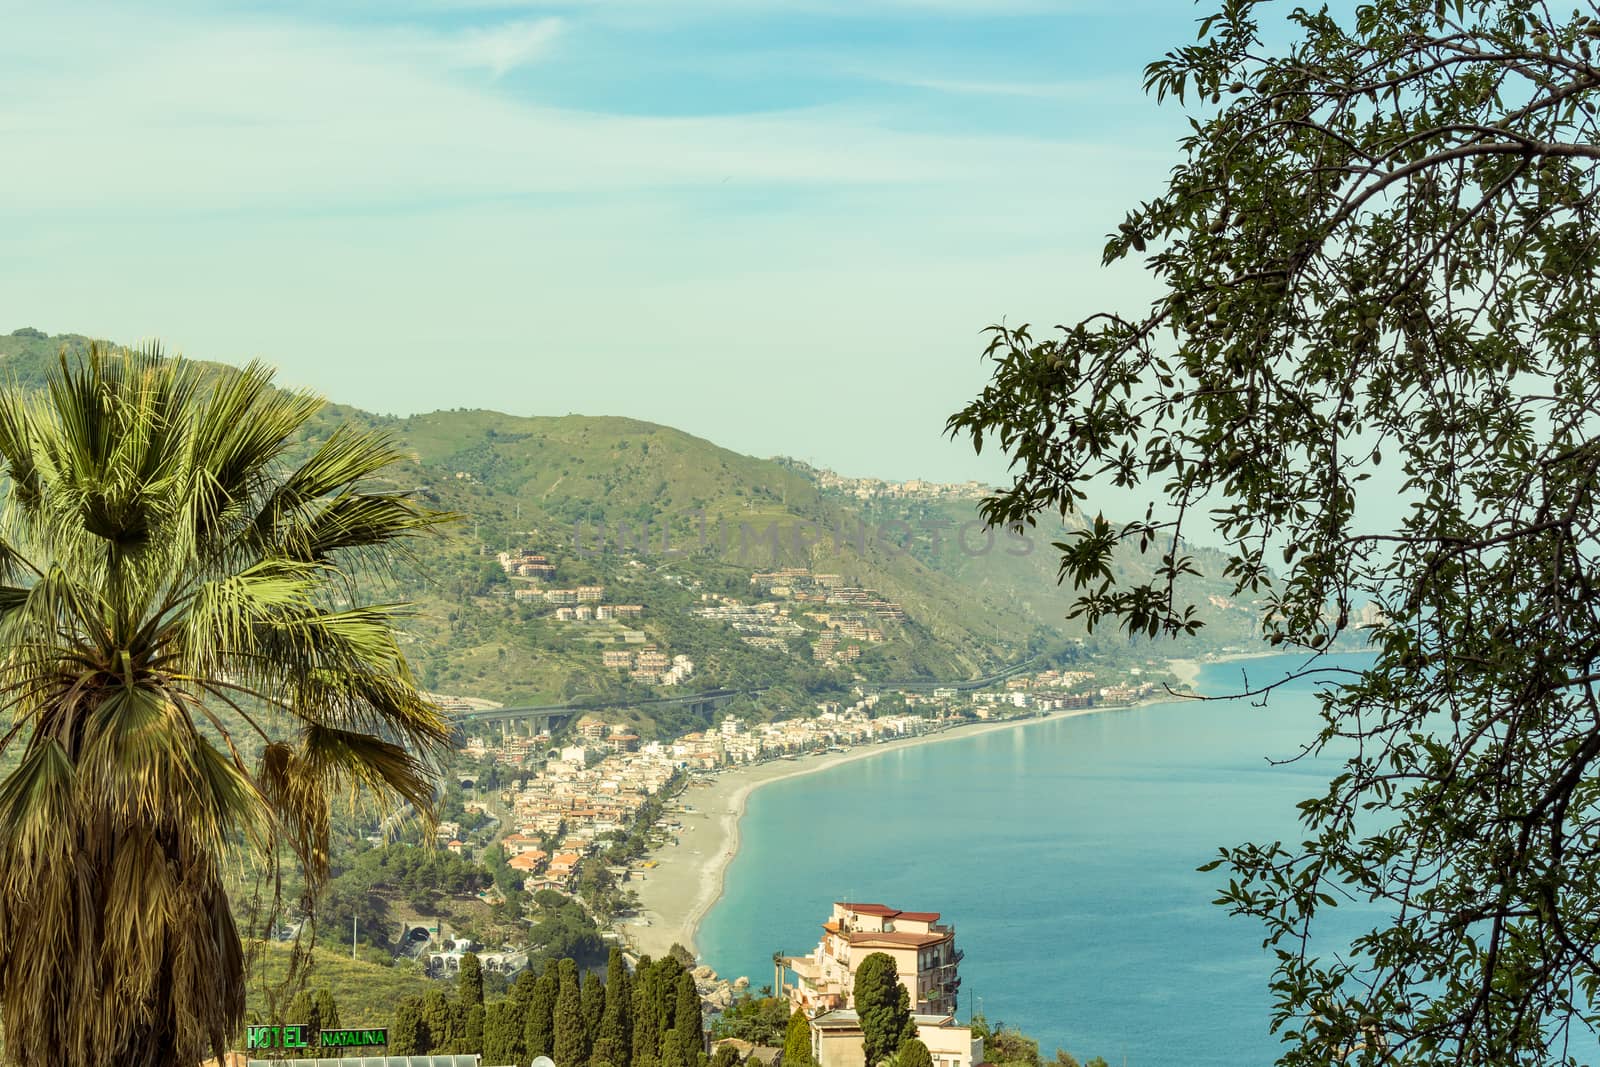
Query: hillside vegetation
{"points": [[582, 490]]}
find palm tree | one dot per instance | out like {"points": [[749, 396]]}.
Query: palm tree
{"points": [[191, 670]]}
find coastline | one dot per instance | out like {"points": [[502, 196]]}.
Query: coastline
{"points": [[1187, 669], [678, 893]]}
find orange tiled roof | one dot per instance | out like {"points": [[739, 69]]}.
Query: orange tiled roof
{"points": [[896, 940], [870, 909]]}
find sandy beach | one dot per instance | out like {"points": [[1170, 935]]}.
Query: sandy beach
{"points": [[1187, 671], [675, 896]]}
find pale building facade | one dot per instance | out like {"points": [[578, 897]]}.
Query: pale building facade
{"points": [[836, 1040]]}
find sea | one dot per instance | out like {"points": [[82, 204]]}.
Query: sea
{"points": [[1064, 852]]}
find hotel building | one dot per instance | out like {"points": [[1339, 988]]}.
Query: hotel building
{"points": [[926, 960]]}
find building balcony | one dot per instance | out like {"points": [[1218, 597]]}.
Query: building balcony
{"points": [[804, 967]]}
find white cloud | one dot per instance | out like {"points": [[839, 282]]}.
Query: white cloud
{"points": [[503, 48], [368, 209], [1087, 89], [260, 115]]}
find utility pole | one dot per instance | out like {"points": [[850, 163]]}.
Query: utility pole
{"points": [[352, 935]]}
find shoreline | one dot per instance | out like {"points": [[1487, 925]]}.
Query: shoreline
{"points": [[677, 894]]}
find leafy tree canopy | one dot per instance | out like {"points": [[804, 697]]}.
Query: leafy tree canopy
{"points": [[1369, 372], [758, 1020]]}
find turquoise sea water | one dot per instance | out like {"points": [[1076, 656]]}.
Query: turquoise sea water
{"points": [[1064, 852]]}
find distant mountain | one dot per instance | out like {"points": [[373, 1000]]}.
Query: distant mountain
{"points": [[949, 600]]}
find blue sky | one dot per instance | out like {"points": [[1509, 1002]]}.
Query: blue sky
{"points": [[779, 224]]}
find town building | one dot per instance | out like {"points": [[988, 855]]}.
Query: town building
{"points": [[923, 950]]}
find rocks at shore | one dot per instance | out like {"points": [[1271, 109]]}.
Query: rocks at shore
{"points": [[716, 993]]}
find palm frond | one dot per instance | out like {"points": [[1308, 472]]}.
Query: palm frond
{"points": [[158, 560]]}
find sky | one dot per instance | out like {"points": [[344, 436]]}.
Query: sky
{"points": [[778, 224]]}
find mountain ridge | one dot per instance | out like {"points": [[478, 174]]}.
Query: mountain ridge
{"points": [[930, 593]]}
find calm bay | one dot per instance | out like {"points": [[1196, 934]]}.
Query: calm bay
{"points": [[1064, 851]]}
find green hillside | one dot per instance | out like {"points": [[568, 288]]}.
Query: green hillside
{"points": [[567, 486], [367, 991]]}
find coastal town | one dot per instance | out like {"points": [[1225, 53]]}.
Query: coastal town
{"points": [[566, 798]]}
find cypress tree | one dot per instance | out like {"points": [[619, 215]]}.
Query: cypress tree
{"points": [[469, 983], [472, 1035], [914, 1054], [539, 1031], [518, 1002], [797, 1042], [327, 1009], [613, 1040], [502, 1036], [672, 1050], [665, 991], [407, 1036], [594, 1004], [303, 1011], [646, 1023], [521, 992], [688, 1021], [884, 1007], [571, 1039], [441, 1019]]}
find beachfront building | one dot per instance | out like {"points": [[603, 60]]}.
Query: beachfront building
{"points": [[923, 950]]}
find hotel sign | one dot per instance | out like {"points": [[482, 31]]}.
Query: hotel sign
{"points": [[298, 1036]]}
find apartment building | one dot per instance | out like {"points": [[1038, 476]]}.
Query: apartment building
{"points": [[926, 960], [922, 948]]}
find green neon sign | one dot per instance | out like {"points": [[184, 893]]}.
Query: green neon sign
{"points": [[270, 1037], [347, 1038], [297, 1036]]}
